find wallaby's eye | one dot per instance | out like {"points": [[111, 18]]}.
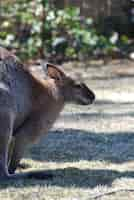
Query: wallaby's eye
{"points": [[56, 78]]}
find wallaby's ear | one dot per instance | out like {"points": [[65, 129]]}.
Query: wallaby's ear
{"points": [[54, 72]]}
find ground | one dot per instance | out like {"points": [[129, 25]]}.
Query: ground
{"points": [[90, 150]]}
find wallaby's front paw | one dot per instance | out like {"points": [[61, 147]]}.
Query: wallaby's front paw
{"points": [[11, 170], [23, 166]]}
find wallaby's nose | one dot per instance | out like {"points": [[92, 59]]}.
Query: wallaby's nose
{"points": [[89, 93], [92, 97]]}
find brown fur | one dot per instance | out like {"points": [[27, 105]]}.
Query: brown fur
{"points": [[29, 107]]}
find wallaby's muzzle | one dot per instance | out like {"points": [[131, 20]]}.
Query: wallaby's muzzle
{"points": [[88, 94], [82, 95]]}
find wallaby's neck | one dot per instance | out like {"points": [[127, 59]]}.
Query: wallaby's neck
{"points": [[47, 99]]}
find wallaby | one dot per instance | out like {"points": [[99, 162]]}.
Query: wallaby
{"points": [[28, 108]]}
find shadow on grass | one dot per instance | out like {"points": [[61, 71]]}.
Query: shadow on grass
{"points": [[114, 77], [73, 177], [113, 103], [74, 145], [113, 110], [101, 115]]}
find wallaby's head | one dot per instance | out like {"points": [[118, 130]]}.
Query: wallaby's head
{"points": [[69, 89]]}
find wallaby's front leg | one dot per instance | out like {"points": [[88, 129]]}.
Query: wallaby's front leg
{"points": [[25, 136], [10, 149], [13, 161], [21, 143], [6, 121]]}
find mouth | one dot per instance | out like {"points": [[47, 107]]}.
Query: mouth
{"points": [[86, 102]]}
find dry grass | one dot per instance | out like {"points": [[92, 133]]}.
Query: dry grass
{"points": [[89, 151]]}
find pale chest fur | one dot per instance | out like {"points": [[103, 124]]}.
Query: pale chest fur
{"points": [[42, 120]]}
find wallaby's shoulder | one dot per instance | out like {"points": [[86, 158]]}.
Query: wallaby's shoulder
{"points": [[9, 59], [14, 77], [17, 77], [11, 67], [4, 53]]}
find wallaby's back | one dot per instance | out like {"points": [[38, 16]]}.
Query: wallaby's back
{"points": [[15, 86]]}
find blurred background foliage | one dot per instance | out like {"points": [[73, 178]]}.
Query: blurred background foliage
{"points": [[38, 29]]}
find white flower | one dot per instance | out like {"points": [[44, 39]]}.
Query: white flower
{"points": [[36, 27], [50, 16], [9, 39], [5, 24], [39, 10], [114, 38]]}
